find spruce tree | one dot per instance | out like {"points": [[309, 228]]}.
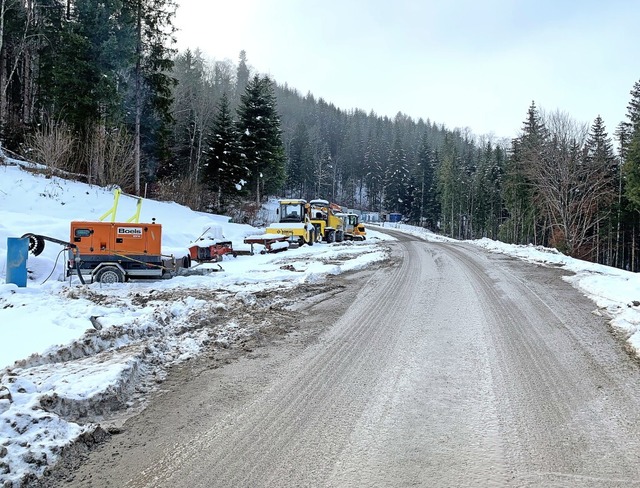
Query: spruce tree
{"points": [[603, 175], [300, 162], [82, 62], [449, 186], [397, 195], [261, 138], [151, 90], [632, 172], [599, 146], [527, 153], [242, 77], [223, 173], [633, 109], [194, 107], [632, 161]]}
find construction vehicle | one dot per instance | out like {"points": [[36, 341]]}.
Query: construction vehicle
{"points": [[110, 252], [294, 222], [326, 219], [354, 229]]}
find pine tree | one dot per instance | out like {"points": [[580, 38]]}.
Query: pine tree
{"points": [[82, 64], [488, 187], [449, 187], [300, 162], [527, 153], [631, 167], [632, 172], [321, 173], [632, 160], [223, 171], [426, 197], [242, 77], [599, 146], [397, 194], [633, 109], [376, 170], [261, 138], [602, 170], [152, 90]]}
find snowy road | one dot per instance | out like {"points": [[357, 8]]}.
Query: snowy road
{"points": [[452, 367]]}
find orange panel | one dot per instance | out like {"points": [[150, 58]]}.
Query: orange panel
{"points": [[117, 238]]}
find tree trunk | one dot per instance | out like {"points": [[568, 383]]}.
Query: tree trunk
{"points": [[3, 63], [633, 248], [136, 144]]}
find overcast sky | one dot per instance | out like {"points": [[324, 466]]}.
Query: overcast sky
{"points": [[462, 63]]}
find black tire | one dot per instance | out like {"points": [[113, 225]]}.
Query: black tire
{"points": [[332, 236], [109, 275], [186, 262], [312, 237], [339, 236]]}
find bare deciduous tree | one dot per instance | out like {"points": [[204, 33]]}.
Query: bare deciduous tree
{"points": [[52, 144], [110, 156], [184, 191], [568, 187]]}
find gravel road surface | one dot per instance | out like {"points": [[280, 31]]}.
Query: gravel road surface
{"points": [[447, 367]]}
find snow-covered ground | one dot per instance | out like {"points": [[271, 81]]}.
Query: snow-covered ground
{"points": [[70, 352]]}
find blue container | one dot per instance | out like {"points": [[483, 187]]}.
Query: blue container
{"points": [[395, 217], [17, 252]]}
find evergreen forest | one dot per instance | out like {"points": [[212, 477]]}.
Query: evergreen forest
{"points": [[95, 89]]}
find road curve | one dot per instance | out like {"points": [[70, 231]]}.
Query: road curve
{"points": [[451, 367]]}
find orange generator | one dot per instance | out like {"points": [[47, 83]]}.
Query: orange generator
{"points": [[111, 252]]}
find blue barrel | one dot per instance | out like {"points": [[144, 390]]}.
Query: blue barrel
{"points": [[17, 251]]}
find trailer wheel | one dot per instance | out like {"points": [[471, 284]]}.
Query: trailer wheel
{"points": [[186, 262], [109, 274]]}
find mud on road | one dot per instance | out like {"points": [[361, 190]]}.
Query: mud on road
{"points": [[270, 326]]}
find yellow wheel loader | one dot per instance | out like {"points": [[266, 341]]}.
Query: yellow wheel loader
{"points": [[294, 222]]}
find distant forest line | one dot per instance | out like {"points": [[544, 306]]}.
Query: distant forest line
{"points": [[96, 89]]}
